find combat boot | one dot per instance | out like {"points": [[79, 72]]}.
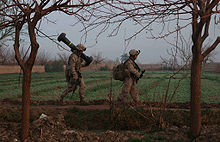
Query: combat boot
{"points": [[61, 100]]}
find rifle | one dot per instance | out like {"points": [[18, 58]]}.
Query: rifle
{"points": [[77, 81], [142, 73], [139, 69]]}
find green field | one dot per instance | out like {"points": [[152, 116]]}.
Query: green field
{"points": [[152, 87]]}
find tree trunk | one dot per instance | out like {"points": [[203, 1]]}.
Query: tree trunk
{"points": [[26, 103], [195, 110]]}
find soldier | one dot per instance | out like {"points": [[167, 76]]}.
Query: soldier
{"points": [[73, 74], [130, 82]]}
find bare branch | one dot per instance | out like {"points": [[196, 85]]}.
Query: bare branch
{"points": [[211, 48]]}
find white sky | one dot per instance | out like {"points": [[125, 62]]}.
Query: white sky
{"points": [[113, 47]]}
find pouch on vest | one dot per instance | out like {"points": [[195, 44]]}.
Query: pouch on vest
{"points": [[120, 72]]}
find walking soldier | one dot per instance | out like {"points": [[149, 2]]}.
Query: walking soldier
{"points": [[73, 73], [130, 81]]}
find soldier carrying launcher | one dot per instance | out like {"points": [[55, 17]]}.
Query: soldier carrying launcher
{"points": [[73, 71]]}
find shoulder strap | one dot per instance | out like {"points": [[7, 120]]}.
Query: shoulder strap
{"points": [[136, 65], [138, 68], [126, 61]]}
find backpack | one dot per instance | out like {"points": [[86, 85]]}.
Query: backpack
{"points": [[120, 72]]}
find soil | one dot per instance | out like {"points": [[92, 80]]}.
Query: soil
{"points": [[48, 123]]}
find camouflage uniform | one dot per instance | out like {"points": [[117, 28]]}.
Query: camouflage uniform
{"points": [[129, 84], [74, 75]]}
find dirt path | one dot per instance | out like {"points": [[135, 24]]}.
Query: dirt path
{"points": [[101, 104]]}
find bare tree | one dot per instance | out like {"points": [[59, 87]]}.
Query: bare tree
{"points": [[210, 57], [7, 56], [17, 14], [147, 14], [42, 58], [63, 57], [180, 53], [3, 55], [5, 34], [97, 59], [169, 63], [124, 57]]}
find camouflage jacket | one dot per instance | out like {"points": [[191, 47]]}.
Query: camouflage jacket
{"points": [[132, 67], [75, 63]]}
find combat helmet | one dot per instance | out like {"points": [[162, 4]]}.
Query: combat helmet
{"points": [[134, 52], [81, 47]]}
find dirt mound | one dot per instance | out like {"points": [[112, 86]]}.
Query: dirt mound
{"points": [[52, 122], [54, 130]]}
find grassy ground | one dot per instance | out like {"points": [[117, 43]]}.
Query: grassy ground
{"points": [[154, 86]]}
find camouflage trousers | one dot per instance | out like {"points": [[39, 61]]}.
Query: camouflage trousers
{"points": [[129, 87], [72, 86]]}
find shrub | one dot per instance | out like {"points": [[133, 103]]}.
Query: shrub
{"points": [[169, 68], [56, 66], [104, 68]]}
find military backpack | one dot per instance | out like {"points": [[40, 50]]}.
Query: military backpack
{"points": [[120, 72]]}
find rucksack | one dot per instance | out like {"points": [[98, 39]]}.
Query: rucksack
{"points": [[120, 72]]}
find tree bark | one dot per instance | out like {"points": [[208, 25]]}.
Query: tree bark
{"points": [[26, 103], [195, 111]]}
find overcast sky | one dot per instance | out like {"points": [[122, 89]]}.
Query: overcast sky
{"points": [[151, 49]]}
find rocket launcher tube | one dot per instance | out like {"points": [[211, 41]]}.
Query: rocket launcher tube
{"points": [[62, 37]]}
